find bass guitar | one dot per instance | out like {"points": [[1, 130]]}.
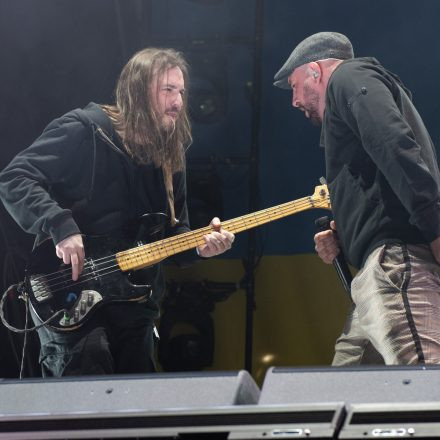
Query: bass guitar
{"points": [[66, 304]]}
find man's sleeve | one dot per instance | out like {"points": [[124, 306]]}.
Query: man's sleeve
{"points": [[26, 182]]}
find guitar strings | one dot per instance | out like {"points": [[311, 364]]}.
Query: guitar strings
{"points": [[265, 215], [284, 209], [178, 238], [154, 246]]}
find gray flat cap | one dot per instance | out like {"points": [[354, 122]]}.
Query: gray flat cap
{"points": [[318, 46]]}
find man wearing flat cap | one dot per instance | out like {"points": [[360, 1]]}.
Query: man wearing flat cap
{"points": [[384, 186]]}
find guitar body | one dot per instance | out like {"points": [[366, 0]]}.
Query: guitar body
{"points": [[51, 289]]}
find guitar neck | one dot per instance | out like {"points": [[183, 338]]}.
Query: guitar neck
{"points": [[152, 253]]}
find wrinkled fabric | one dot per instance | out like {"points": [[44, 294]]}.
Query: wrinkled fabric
{"points": [[381, 164], [396, 312]]}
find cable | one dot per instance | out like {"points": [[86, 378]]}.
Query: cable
{"points": [[19, 288], [23, 352]]}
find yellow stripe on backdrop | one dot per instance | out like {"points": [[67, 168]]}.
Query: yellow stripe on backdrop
{"points": [[300, 311]]}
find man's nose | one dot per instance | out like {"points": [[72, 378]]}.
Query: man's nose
{"points": [[178, 101], [295, 102]]}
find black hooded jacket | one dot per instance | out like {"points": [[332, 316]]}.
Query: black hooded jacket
{"points": [[76, 178], [381, 163]]}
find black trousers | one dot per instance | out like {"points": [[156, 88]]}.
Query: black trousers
{"points": [[118, 339]]}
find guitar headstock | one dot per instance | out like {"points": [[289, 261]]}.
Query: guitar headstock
{"points": [[321, 197]]}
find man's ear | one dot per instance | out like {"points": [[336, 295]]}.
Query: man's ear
{"points": [[314, 69]]}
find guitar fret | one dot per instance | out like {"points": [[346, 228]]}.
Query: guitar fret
{"points": [[152, 253]]}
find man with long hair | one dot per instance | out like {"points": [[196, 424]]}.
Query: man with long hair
{"points": [[94, 171]]}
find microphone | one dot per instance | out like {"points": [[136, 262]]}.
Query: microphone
{"points": [[339, 262]]}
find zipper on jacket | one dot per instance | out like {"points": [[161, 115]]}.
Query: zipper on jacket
{"points": [[108, 141], [102, 134]]}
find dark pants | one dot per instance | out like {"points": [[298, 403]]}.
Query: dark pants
{"points": [[118, 339]]}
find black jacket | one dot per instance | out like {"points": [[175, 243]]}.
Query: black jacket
{"points": [[76, 178], [381, 163]]}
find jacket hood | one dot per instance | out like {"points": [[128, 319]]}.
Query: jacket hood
{"points": [[374, 64], [94, 115]]}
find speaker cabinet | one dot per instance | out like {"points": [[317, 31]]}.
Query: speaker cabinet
{"points": [[378, 402], [351, 385], [117, 406]]}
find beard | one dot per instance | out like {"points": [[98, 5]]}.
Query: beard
{"points": [[168, 125], [312, 106]]}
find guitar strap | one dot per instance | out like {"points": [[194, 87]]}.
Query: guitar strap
{"points": [[168, 181]]}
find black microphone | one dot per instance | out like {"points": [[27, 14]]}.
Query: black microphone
{"points": [[339, 262]]}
